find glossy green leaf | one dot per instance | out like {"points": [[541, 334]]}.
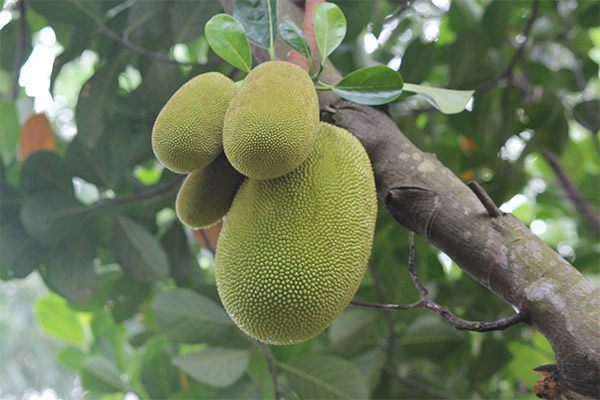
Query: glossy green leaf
{"points": [[293, 36], [330, 28], [99, 374], [186, 316], [227, 38], [58, 320], [325, 377], [45, 170], [259, 18], [9, 134], [70, 269], [370, 85], [21, 253], [446, 100], [417, 61], [138, 252], [52, 217], [587, 114], [217, 366]]}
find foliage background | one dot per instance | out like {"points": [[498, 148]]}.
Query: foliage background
{"points": [[92, 214]]}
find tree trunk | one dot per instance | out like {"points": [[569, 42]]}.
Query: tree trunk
{"points": [[498, 252]]}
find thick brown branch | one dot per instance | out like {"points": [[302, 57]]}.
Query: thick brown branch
{"points": [[575, 195]]}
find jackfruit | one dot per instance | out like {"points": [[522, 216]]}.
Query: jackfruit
{"points": [[188, 132], [206, 195], [272, 121], [293, 250]]}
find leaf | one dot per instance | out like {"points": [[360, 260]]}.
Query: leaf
{"points": [[95, 103], [71, 357], [8, 45], [242, 391], [293, 36], [189, 17], [330, 28], [146, 20], [70, 271], [52, 217], [9, 134], [370, 85], [351, 322], [158, 375], [36, 134], [184, 266], [467, 58], [226, 36], [58, 320], [138, 252], [185, 316], [464, 14], [21, 253], [217, 366], [417, 61], [127, 295], [325, 377], [44, 171], [430, 336], [496, 21], [587, 114], [446, 100], [99, 374], [259, 18], [72, 11]]}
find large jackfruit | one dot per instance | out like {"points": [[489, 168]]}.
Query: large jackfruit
{"points": [[206, 195], [272, 122], [293, 250], [188, 132]]}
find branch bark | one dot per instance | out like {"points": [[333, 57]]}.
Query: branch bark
{"points": [[500, 253]]}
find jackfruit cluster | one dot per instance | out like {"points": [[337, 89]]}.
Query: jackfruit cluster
{"points": [[299, 195]]}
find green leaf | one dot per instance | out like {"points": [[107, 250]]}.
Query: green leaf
{"points": [[58, 320], [138, 252], [351, 322], [9, 134], [95, 103], [325, 377], [293, 36], [430, 336], [496, 21], [330, 28], [147, 21], [467, 58], [184, 266], [8, 45], [446, 100], [587, 114], [21, 253], [227, 38], [370, 85], [99, 374], [217, 366], [45, 170], [259, 18], [72, 11], [127, 295], [158, 375], [417, 61], [186, 316], [71, 357], [464, 14], [70, 270], [189, 17], [52, 217], [242, 391]]}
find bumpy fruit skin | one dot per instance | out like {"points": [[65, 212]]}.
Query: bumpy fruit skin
{"points": [[293, 250], [188, 132], [206, 195], [272, 122]]}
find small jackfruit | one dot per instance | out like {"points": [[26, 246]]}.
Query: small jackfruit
{"points": [[293, 250], [272, 121], [188, 132], [206, 195]]}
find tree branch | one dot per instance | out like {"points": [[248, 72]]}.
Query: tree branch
{"points": [[14, 89], [148, 53], [507, 71], [272, 369], [575, 195], [485, 200], [105, 203]]}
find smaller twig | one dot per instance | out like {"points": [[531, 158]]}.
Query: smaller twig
{"points": [[507, 71], [105, 203], [486, 200], [14, 90], [411, 266], [209, 245], [151, 54], [573, 193], [418, 385], [272, 369], [394, 307]]}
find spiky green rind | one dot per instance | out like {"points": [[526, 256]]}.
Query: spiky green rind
{"points": [[293, 250], [206, 195], [272, 122], [188, 132]]}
